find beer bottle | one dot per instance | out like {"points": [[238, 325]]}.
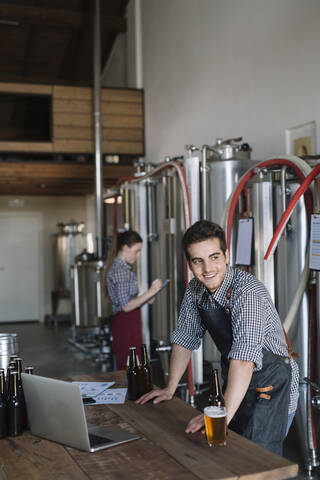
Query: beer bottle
{"points": [[133, 375], [29, 370], [3, 406], [10, 369], [13, 357], [145, 371], [18, 362], [215, 397], [14, 408]]}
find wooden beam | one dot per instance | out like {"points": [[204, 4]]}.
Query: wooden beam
{"points": [[25, 147], [6, 87], [42, 171], [55, 179], [57, 18]]}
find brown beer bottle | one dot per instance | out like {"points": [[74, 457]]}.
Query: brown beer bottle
{"points": [[145, 371], [133, 375], [14, 408], [10, 369], [29, 370], [215, 397], [18, 362], [3, 406]]}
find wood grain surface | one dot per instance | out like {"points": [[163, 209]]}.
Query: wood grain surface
{"points": [[163, 452]]}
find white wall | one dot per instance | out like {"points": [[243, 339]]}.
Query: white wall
{"points": [[53, 209], [115, 71], [228, 68]]}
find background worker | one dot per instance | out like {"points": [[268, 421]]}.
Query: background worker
{"points": [[122, 287], [260, 378]]}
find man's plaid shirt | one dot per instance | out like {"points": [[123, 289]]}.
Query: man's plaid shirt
{"points": [[255, 322]]}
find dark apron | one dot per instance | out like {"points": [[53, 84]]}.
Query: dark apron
{"points": [[263, 413], [126, 332]]}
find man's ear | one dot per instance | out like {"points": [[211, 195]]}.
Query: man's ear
{"points": [[227, 256]]}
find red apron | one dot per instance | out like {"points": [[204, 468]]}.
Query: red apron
{"points": [[126, 332]]}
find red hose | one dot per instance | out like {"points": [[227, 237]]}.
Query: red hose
{"points": [[267, 163], [285, 217]]}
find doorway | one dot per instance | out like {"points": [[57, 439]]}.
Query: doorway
{"points": [[20, 257]]}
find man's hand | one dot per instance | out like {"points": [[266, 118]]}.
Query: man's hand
{"points": [[195, 424], [157, 396]]}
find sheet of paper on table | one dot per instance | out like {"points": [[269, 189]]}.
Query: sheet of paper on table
{"points": [[92, 389], [112, 395], [102, 393]]}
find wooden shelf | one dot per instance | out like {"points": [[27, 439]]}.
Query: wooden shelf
{"points": [[122, 118]]}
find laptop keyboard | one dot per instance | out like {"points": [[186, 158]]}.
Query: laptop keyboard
{"points": [[95, 440]]}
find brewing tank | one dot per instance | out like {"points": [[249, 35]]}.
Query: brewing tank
{"points": [[90, 305], [8, 346], [223, 164], [68, 242]]}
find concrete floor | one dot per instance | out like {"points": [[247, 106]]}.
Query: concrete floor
{"points": [[47, 350]]}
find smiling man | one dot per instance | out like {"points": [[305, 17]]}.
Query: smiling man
{"points": [[260, 378]]}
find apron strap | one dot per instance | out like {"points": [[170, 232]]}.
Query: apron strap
{"points": [[228, 298], [290, 349]]}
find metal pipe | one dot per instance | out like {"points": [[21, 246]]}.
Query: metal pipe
{"points": [[283, 188], [204, 182], [97, 121]]}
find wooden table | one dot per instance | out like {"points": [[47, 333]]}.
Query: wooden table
{"points": [[164, 451]]}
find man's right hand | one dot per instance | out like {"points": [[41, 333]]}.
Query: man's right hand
{"points": [[156, 395]]}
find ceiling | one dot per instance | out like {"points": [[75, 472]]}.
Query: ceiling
{"points": [[51, 41]]}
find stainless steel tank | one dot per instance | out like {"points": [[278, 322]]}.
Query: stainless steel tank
{"points": [[222, 165], [166, 260], [134, 216], [8, 346], [68, 242], [87, 291]]}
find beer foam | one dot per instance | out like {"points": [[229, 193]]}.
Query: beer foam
{"points": [[215, 412]]}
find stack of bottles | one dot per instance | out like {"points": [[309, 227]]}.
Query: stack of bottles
{"points": [[139, 376], [13, 413]]}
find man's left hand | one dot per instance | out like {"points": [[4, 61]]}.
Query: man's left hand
{"points": [[195, 424]]}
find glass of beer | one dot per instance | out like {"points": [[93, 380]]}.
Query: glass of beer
{"points": [[215, 419]]}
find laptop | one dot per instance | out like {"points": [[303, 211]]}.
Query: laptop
{"points": [[56, 412]]}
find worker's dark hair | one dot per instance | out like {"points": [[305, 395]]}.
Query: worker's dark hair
{"points": [[200, 231], [129, 238]]}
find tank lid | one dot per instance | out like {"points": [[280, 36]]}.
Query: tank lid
{"points": [[70, 227], [228, 149], [85, 256]]}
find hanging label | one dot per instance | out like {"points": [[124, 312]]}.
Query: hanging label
{"points": [[244, 241], [315, 243]]}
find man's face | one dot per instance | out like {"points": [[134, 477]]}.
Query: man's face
{"points": [[208, 263], [132, 253]]}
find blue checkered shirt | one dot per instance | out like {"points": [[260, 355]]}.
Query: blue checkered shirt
{"points": [[255, 321], [122, 284]]}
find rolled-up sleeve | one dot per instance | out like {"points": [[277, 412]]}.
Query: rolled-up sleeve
{"points": [[189, 331], [248, 328], [119, 289], [122, 285]]}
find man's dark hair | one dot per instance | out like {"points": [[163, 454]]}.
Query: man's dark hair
{"points": [[203, 230]]}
